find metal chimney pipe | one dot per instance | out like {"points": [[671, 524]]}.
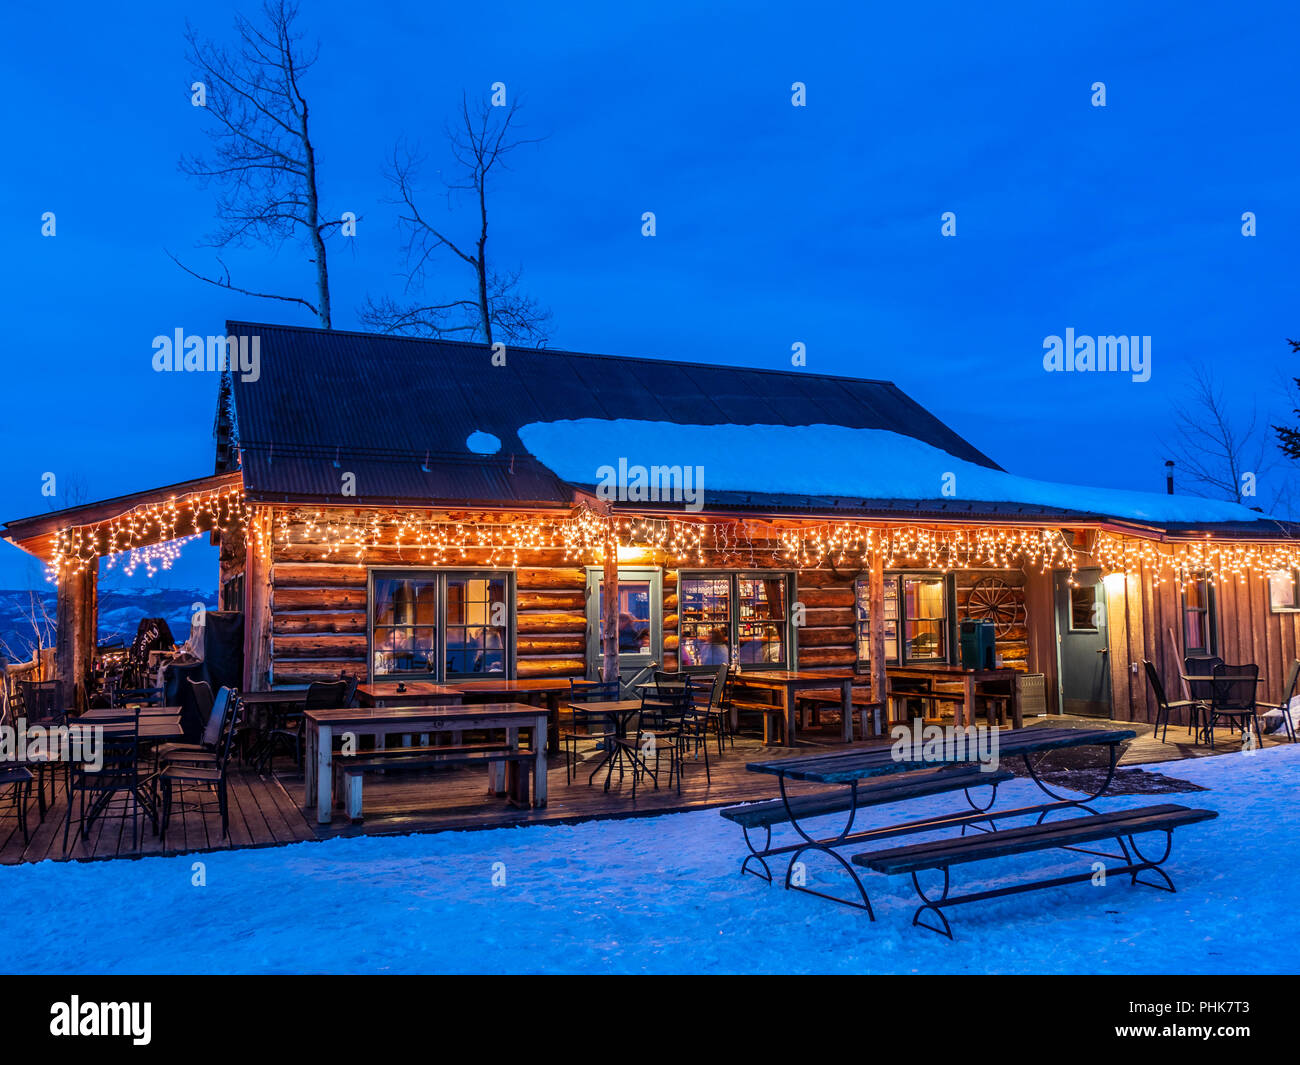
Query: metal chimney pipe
{"points": [[1169, 476]]}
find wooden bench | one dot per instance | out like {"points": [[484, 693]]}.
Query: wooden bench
{"points": [[912, 785], [1120, 825], [773, 716], [996, 704], [350, 769], [820, 697]]}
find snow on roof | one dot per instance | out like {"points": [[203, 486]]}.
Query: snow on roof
{"points": [[832, 460]]}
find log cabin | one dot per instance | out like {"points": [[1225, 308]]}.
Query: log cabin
{"points": [[427, 509]]}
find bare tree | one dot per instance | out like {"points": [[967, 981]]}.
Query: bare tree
{"points": [[263, 159], [480, 143], [1218, 454]]}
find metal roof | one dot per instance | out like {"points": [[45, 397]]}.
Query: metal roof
{"points": [[396, 412]]}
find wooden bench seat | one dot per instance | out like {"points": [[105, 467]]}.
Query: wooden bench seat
{"points": [[350, 769], [912, 785], [1118, 825]]}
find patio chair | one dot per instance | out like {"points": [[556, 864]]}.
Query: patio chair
{"points": [[350, 680], [717, 711], [321, 695], [584, 691], [40, 707], [204, 752], [176, 777], [1233, 697], [1195, 710], [1288, 691], [16, 780], [660, 726], [118, 774], [1200, 690]]}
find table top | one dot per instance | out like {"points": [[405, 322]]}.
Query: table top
{"points": [[362, 715], [845, 767], [104, 712], [387, 689], [539, 684], [619, 706], [297, 695], [1207, 677], [783, 676], [151, 728]]}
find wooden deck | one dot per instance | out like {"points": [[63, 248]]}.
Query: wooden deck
{"points": [[268, 810]]}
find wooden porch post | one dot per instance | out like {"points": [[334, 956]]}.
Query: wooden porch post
{"points": [[609, 616], [876, 615], [257, 614], [76, 622]]}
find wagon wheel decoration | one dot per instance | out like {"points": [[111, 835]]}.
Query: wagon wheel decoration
{"points": [[992, 599]]}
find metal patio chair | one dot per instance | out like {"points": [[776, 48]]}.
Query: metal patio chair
{"points": [[1195, 710], [1233, 697], [580, 728], [1288, 691]]}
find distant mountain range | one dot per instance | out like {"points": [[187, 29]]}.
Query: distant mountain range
{"points": [[119, 615]]}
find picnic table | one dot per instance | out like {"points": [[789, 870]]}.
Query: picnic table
{"points": [[159, 723], [971, 681], [323, 726], [534, 690], [788, 683], [891, 779]]}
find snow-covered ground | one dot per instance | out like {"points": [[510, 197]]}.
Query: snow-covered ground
{"points": [[663, 895]]}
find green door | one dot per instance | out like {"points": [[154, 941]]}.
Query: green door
{"points": [[1081, 642]]}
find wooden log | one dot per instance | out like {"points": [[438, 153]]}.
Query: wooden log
{"points": [[537, 624], [550, 600], [551, 667], [537, 579], [327, 599], [826, 597], [295, 673], [550, 645], [319, 621], [839, 636], [317, 575], [320, 645], [827, 656], [829, 617]]}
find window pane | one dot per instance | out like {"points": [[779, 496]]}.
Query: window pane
{"points": [[477, 617], [1194, 631], [925, 626], [405, 632], [761, 620], [1083, 607], [704, 610], [633, 616], [1281, 590], [863, 606]]}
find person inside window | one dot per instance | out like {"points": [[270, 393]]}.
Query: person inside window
{"points": [[716, 652]]}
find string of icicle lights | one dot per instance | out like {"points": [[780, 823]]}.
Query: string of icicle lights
{"points": [[1182, 561], [150, 534]]}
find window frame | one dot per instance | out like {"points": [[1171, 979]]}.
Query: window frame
{"points": [[1294, 576], [440, 577], [790, 650], [901, 657], [1210, 610]]}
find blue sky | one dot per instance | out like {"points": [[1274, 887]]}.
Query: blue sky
{"points": [[775, 224]]}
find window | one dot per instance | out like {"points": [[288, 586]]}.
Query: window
{"points": [[1282, 592], [633, 616], [925, 617], [1199, 628], [440, 625], [1085, 612], [745, 616]]}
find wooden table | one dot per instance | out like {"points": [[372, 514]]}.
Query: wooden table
{"points": [[289, 697], [151, 727], [101, 713], [964, 712], [414, 693], [788, 683], [323, 725], [546, 689]]}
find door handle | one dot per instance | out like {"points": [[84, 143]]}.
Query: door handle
{"points": [[1103, 650]]}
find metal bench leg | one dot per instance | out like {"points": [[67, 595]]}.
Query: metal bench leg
{"points": [[757, 853], [932, 906], [825, 846]]}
